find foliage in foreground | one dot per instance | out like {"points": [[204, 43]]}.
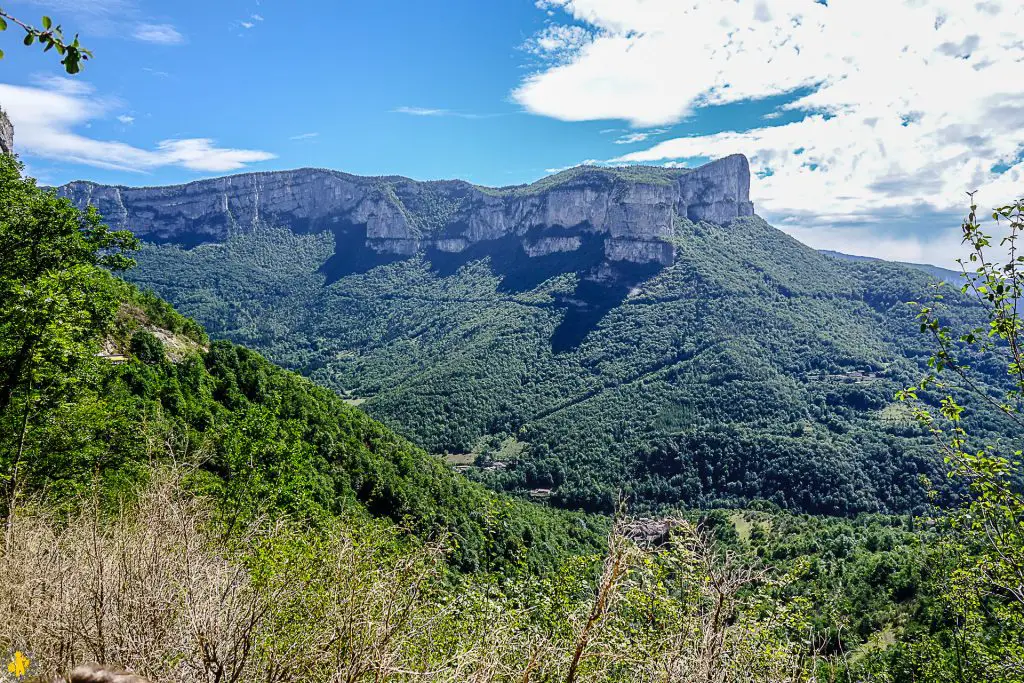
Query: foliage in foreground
{"points": [[165, 589], [72, 54], [982, 593]]}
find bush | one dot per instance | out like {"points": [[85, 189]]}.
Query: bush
{"points": [[147, 347], [166, 589]]}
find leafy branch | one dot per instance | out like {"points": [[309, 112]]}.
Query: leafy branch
{"points": [[989, 578], [50, 37]]}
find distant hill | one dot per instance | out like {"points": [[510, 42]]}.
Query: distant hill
{"points": [[634, 333], [953, 277]]}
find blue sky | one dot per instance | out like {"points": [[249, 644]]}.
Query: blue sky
{"points": [[421, 89], [864, 134]]}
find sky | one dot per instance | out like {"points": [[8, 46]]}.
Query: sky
{"points": [[866, 121]]}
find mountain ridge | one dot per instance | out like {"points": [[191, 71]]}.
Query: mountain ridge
{"points": [[952, 277], [630, 209], [752, 367]]}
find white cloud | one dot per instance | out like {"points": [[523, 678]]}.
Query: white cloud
{"points": [[901, 105], [251, 21], [161, 34], [126, 119], [102, 18], [63, 84], [585, 162], [426, 111], [941, 248], [558, 42], [45, 118], [304, 136], [201, 154], [419, 111], [633, 138], [92, 18]]}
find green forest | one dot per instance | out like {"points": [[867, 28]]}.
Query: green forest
{"points": [[181, 506], [751, 369]]}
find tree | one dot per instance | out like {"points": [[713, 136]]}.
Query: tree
{"points": [[50, 37], [147, 347], [984, 583], [56, 299]]}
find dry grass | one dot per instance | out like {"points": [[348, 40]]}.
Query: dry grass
{"points": [[149, 592], [158, 591]]}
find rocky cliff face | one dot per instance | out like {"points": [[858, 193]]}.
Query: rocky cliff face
{"points": [[6, 134], [631, 209]]}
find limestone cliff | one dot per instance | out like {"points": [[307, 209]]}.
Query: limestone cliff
{"points": [[6, 134], [631, 209]]}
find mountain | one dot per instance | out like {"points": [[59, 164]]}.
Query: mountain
{"points": [[6, 134], [631, 209], [632, 331], [952, 277]]}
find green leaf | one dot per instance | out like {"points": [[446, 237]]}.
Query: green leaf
{"points": [[1, 54], [47, 22], [3, 24], [29, 38]]}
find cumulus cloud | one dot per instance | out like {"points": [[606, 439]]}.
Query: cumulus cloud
{"points": [[901, 106], [161, 34], [126, 119], [45, 119]]}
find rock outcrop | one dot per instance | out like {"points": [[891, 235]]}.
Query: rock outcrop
{"points": [[632, 209], [6, 134]]}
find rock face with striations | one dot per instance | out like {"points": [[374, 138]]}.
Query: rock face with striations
{"points": [[6, 134], [632, 209]]}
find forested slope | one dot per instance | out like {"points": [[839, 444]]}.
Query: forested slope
{"points": [[752, 367], [100, 382]]}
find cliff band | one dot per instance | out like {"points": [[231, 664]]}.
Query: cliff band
{"points": [[631, 208]]}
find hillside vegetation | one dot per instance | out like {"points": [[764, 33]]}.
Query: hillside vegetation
{"points": [[76, 418], [186, 509], [751, 368]]}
